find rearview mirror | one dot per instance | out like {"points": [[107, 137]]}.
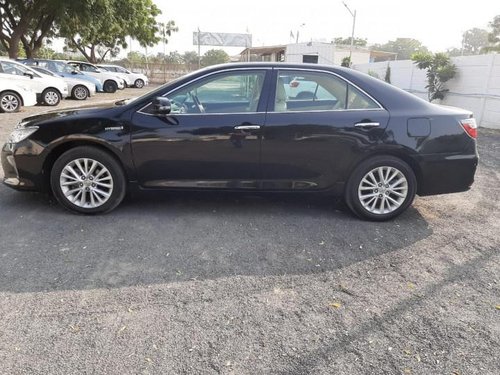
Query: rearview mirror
{"points": [[162, 105]]}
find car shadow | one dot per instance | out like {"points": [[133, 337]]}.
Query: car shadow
{"points": [[170, 237]]}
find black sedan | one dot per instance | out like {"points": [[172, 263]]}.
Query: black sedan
{"points": [[251, 127]]}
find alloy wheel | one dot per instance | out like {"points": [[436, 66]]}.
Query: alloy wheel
{"points": [[9, 103], [86, 183], [383, 190], [80, 93], [51, 98]]}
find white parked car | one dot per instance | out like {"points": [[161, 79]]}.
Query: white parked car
{"points": [[131, 79], [77, 88], [110, 81], [14, 95], [49, 90]]}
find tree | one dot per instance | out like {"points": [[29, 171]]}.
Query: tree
{"points": [[387, 77], [214, 56], [404, 47], [474, 40], [102, 27], [439, 69], [346, 62], [494, 36], [29, 23], [360, 42], [190, 57]]}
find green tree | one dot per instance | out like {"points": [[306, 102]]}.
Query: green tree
{"points": [[474, 40], [494, 36], [360, 42], [387, 77], [102, 27], [404, 47], [29, 23], [346, 62], [190, 57], [439, 69], [136, 57], [214, 56]]}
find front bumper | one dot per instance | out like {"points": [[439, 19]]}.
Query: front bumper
{"points": [[22, 165]]}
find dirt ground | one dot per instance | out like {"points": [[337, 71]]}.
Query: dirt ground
{"points": [[231, 284]]}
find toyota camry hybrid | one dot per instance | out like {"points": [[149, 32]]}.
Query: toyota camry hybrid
{"points": [[267, 127]]}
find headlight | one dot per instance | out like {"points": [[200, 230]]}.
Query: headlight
{"points": [[21, 133]]}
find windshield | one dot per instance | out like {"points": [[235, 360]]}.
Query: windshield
{"points": [[61, 67]]}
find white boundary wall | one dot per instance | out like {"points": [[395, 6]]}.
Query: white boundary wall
{"points": [[476, 86]]}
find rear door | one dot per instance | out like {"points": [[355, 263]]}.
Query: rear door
{"points": [[318, 125]]}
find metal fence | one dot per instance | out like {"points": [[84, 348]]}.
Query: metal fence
{"points": [[160, 73]]}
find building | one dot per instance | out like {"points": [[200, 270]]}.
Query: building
{"points": [[314, 52]]}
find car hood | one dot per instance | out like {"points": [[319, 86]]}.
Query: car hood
{"points": [[103, 109]]}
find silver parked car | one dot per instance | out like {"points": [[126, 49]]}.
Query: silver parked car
{"points": [[78, 89]]}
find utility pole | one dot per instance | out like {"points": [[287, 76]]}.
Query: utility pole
{"points": [[353, 14], [199, 49], [298, 31]]}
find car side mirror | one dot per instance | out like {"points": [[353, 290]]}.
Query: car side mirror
{"points": [[162, 105], [74, 72], [97, 71], [29, 74]]}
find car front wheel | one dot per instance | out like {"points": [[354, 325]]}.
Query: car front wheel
{"points": [[88, 180], [381, 188], [10, 102], [51, 97], [110, 87], [139, 83], [80, 92]]}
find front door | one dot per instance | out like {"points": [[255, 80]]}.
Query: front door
{"points": [[211, 138]]}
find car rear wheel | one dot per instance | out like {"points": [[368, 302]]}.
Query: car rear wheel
{"points": [[10, 102], [139, 83], [110, 87], [381, 188], [80, 92], [51, 97], [88, 180]]}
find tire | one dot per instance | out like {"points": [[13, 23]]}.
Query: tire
{"points": [[380, 197], [139, 83], [110, 87], [10, 102], [51, 97], [80, 92], [100, 190]]}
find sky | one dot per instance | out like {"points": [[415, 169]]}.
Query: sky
{"points": [[438, 24]]}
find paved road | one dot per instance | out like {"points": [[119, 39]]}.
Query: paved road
{"points": [[220, 283]]}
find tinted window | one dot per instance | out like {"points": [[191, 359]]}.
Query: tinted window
{"points": [[358, 100], [224, 93], [309, 91], [305, 91]]}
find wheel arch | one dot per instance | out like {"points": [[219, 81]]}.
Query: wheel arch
{"points": [[400, 154], [61, 148]]}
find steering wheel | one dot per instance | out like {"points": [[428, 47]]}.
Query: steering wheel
{"points": [[197, 102]]}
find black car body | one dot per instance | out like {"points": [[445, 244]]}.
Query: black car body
{"points": [[228, 139]]}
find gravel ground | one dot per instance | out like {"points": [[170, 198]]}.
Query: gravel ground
{"points": [[231, 284]]}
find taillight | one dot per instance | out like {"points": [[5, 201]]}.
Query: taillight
{"points": [[294, 84], [470, 126]]}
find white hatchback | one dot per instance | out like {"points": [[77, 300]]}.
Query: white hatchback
{"points": [[49, 90], [13, 96], [132, 79]]}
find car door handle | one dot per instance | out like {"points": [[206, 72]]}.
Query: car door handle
{"points": [[367, 124], [247, 127]]}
